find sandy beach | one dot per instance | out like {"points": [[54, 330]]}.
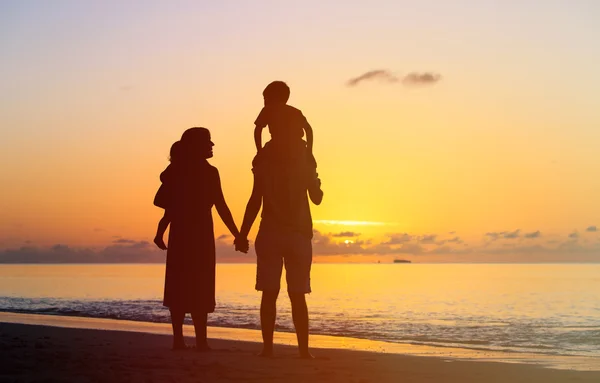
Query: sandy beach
{"points": [[35, 352]]}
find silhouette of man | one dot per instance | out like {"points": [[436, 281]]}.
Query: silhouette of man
{"points": [[284, 238]]}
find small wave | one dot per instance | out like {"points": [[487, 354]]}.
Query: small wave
{"points": [[521, 336]]}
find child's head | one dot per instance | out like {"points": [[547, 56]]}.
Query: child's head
{"points": [[175, 153], [276, 92]]}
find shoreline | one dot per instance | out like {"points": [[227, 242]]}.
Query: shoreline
{"points": [[49, 353], [389, 262], [285, 339], [387, 345]]}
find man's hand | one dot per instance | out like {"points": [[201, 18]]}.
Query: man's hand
{"points": [[242, 244]]}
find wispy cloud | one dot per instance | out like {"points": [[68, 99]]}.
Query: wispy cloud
{"points": [[128, 252], [385, 76], [378, 74], [495, 235], [124, 241], [351, 223], [397, 239], [427, 239], [345, 234], [430, 244], [535, 234], [508, 245], [425, 78], [121, 251]]}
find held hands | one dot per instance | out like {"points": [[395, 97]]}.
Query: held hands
{"points": [[242, 244]]}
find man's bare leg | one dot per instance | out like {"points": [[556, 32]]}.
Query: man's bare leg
{"points": [[268, 314], [200, 321], [300, 317], [177, 324]]}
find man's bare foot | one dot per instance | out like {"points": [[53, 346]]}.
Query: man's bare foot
{"points": [[160, 243], [306, 355], [203, 347], [177, 346], [266, 353]]}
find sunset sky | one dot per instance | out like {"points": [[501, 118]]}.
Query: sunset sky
{"points": [[497, 159]]}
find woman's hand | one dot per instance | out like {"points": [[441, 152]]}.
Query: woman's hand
{"points": [[242, 244], [160, 243]]}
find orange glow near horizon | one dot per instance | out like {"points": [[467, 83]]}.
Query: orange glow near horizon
{"points": [[499, 143]]}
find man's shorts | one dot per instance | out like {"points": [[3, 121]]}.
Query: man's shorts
{"points": [[274, 249]]}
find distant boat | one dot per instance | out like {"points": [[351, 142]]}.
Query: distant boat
{"points": [[401, 261]]}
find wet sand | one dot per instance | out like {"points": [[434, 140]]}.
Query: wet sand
{"points": [[36, 352]]}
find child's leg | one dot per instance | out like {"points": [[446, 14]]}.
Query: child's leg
{"points": [[200, 322], [310, 158], [312, 162], [308, 154], [177, 318]]}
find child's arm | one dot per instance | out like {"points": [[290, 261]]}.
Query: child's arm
{"points": [[260, 122], [160, 231], [258, 137]]}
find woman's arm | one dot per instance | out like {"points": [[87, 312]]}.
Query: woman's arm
{"points": [[224, 211]]}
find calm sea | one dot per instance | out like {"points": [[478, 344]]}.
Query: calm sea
{"points": [[547, 309]]}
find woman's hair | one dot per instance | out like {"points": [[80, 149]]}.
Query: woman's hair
{"points": [[175, 153], [195, 134], [190, 139]]}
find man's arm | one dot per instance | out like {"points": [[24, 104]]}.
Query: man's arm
{"points": [[252, 209]]}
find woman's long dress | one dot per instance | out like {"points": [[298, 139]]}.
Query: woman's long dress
{"points": [[190, 271]]}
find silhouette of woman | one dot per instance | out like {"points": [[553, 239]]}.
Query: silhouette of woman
{"points": [[191, 186]]}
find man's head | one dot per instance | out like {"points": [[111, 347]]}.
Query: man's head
{"points": [[276, 92]]}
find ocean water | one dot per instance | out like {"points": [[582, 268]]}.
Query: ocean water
{"points": [[551, 309]]}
